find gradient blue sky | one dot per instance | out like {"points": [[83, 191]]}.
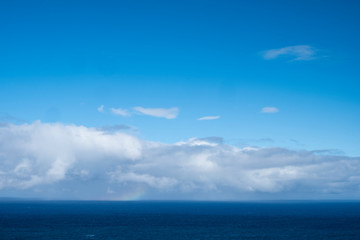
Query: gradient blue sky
{"points": [[61, 60]]}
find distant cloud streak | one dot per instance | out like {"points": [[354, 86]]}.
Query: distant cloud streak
{"points": [[299, 53], [120, 112], [209, 118], [269, 110], [101, 108], [168, 113], [115, 128]]}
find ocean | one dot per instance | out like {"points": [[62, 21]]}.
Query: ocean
{"points": [[74, 220]]}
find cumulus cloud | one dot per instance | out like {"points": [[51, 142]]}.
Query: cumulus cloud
{"points": [[269, 110], [120, 112], [101, 108], [38, 153], [168, 113], [209, 118], [299, 52], [41, 157]]}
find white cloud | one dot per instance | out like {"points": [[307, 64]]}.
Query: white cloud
{"points": [[69, 161], [299, 52], [101, 108], [269, 110], [120, 111], [168, 113], [132, 177], [209, 118], [38, 153]]}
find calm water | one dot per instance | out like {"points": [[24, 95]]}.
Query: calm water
{"points": [[179, 220]]}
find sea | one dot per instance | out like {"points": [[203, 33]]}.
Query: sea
{"points": [[74, 220]]}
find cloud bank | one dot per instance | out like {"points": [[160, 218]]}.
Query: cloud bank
{"points": [[69, 161], [299, 52]]}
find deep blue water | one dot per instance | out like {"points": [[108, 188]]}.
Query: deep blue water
{"points": [[178, 220]]}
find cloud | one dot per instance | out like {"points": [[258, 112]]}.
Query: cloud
{"points": [[38, 153], [101, 108], [299, 52], [120, 111], [209, 118], [70, 161], [218, 140], [168, 113], [132, 177], [115, 128], [269, 110]]}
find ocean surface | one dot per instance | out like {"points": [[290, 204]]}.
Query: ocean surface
{"points": [[70, 220]]}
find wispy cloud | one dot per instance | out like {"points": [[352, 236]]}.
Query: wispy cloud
{"points": [[120, 111], [101, 108], [168, 113], [209, 118], [299, 52], [269, 110]]}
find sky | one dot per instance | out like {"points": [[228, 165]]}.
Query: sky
{"points": [[193, 100]]}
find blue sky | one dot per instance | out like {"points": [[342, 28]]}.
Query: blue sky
{"points": [[225, 61]]}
